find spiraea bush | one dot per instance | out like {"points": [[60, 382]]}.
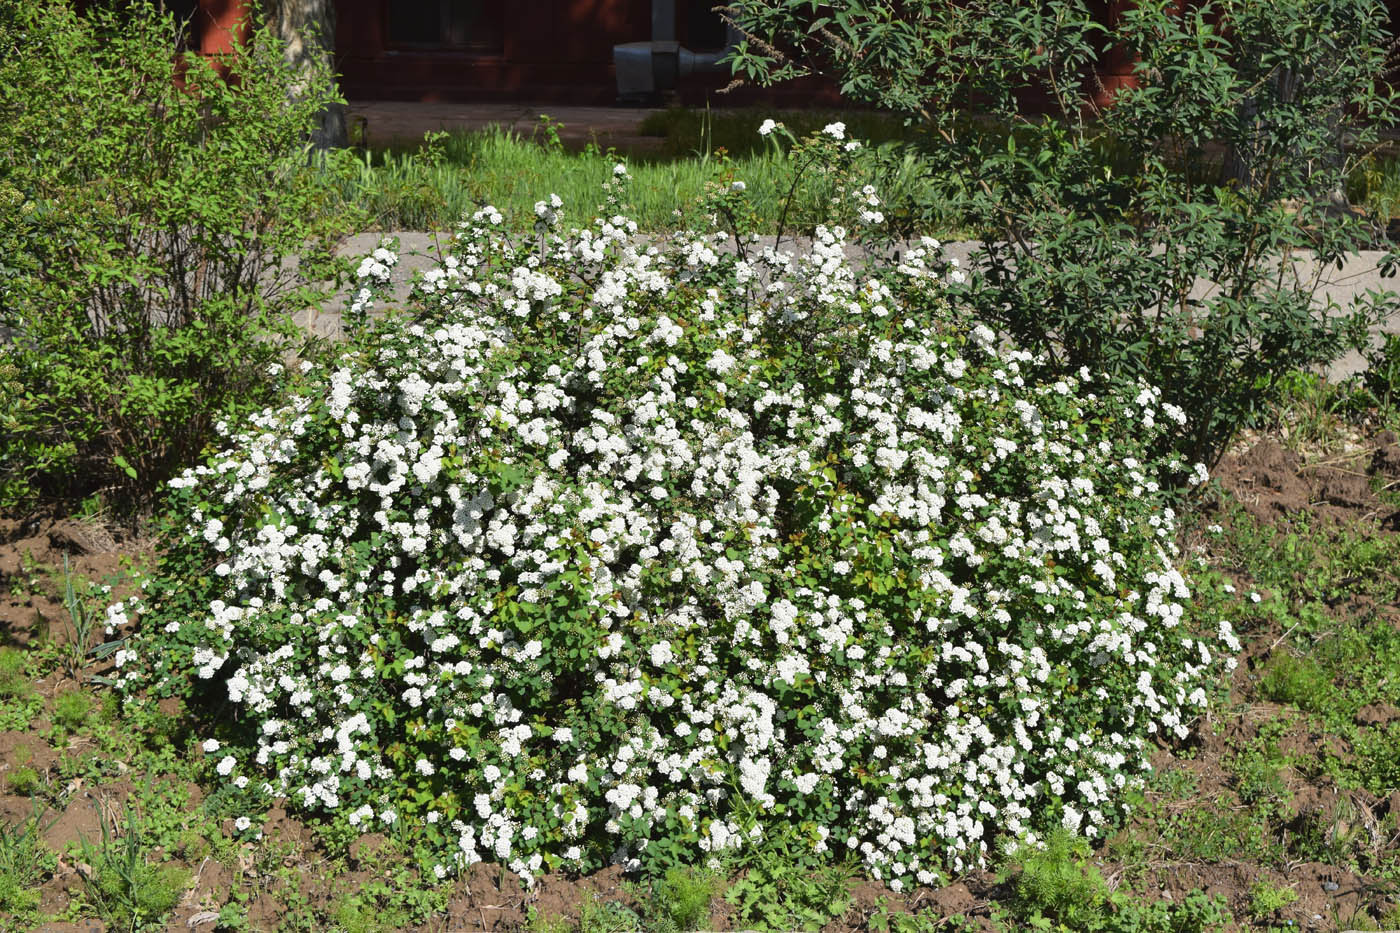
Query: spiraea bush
{"points": [[638, 551]]}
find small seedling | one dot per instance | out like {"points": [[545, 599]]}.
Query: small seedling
{"points": [[71, 710], [82, 621], [14, 678]]}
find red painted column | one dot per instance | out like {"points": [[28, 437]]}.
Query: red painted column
{"points": [[222, 27]]}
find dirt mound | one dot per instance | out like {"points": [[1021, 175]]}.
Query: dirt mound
{"points": [[1272, 482]]}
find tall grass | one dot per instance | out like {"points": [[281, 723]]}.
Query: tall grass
{"points": [[432, 187], [684, 131]]}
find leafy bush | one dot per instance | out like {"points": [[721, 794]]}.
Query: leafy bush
{"points": [[1227, 157], [162, 224], [641, 554], [1382, 375]]}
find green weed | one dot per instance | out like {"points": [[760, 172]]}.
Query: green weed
{"points": [[14, 674], [124, 887], [25, 781], [24, 863], [1382, 376], [81, 619], [1258, 769], [71, 710], [680, 900], [1057, 884], [1266, 899], [1298, 681], [777, 890], [595, 916]]}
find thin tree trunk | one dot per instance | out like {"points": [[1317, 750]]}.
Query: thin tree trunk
{"points": [[308, 29]]}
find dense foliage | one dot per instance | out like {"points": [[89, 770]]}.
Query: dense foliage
{"points": [[1144, 238], [620, 553], [161, 226]]}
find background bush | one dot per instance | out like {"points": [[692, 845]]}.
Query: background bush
{"points": [[1230, 155], [161, 226], [612, 554]]}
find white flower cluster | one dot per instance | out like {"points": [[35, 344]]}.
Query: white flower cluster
{"points": [[619, 543], [375, 271]]}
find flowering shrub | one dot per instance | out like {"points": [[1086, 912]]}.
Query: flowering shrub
{"points": [[633, 553]]}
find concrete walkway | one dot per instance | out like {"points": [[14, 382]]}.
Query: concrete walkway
{"points": [[419, 251]]}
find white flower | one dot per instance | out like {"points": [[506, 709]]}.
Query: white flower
{"points": [[619, 169], [225, 765], [211, 745], [721, 362], [768, 126], [835, 130], [242, 823], [737, 186]]}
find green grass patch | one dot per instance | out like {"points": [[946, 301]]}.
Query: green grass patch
{"points": [[690, 132], [452, 174]]}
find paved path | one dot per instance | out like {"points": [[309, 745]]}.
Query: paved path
{"points": [[419, 251]]}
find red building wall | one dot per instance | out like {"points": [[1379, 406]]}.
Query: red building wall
{"points": [[548, 50]]}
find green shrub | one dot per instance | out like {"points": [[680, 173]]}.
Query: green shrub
{"points": [[159, 233], [1096, 222], [652, 556], [1382, 375]]}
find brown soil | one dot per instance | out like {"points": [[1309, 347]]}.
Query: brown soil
{"points": [[32, 554], [1271, 481]]}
